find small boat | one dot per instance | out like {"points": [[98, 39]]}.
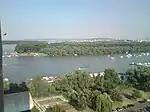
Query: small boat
{"points": [[139, 64], [132, 63], [121, 56], [129, 55], [8, 56], [75, 54], [79, 68], [147, 54], [3, 56], [108, 55], [112, 58]]}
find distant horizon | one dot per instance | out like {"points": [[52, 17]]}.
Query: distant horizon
{"points": [[35, 39]]}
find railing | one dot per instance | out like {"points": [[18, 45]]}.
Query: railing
{"points": [[39, 107]]}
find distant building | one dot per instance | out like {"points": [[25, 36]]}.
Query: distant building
{"points": [[18, 102]]}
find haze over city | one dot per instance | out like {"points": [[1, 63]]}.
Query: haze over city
{"points": [[75, 19]]}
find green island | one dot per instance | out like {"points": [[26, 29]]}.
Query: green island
{"points": [[81, 48], [101, 93]]}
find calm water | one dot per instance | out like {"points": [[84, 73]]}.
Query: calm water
{"points": [[21, 68]]}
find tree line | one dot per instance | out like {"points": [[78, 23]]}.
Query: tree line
{"points": [[14, 87], [83, 48], [97, 93]]}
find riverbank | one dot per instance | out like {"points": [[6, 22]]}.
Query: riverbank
{"points": [[32, 54]]}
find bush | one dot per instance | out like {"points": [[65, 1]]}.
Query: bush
{"points": [[116, 96], [137, 94]]}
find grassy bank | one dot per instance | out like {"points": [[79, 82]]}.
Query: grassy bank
{"points": [[126, 101]]}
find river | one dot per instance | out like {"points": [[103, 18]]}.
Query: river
{"points": [[18, 69]]}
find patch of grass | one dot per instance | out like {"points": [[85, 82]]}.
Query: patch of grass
{"points": [[124, 88], [87, 110], [34, 109], [126, 101]]}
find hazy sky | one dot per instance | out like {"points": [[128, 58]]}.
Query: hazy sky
{"points": [[24, 19]]}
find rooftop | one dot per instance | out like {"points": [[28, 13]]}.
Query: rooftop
{"points": [[17, 102]]}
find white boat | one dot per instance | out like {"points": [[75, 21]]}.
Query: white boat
{"points": [[139, 63], [3, 56], [5, 53], [121, 56], [75, 54], [108, 55], [112, 58], [145, 63], [79, 68], [132, 63], [148, 63], [147, 54], [129, 55], [17, 55], [8, 56]]}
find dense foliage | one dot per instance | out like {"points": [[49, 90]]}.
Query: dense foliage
{"points": [[139, 78], [15, 88], [30, 47], [81, 90], [84, 48], [97, 93]]}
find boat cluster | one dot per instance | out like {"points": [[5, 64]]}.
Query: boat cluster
{"points": [[141, 64], [8, 55], [48, 79], [130, 55]]}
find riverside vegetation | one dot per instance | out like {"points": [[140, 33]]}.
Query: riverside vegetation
{"points": [[82, 48], [97, 94]]}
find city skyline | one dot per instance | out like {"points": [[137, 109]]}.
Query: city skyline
{"points": [[63, 19]]}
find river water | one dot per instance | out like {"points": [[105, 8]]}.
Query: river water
{"points": [[18, 69]]}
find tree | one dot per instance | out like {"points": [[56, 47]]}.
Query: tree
{"points": [[146, 86], [116, 96], [102, 102], [111, 79], [137, 94], [99, 82]]}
